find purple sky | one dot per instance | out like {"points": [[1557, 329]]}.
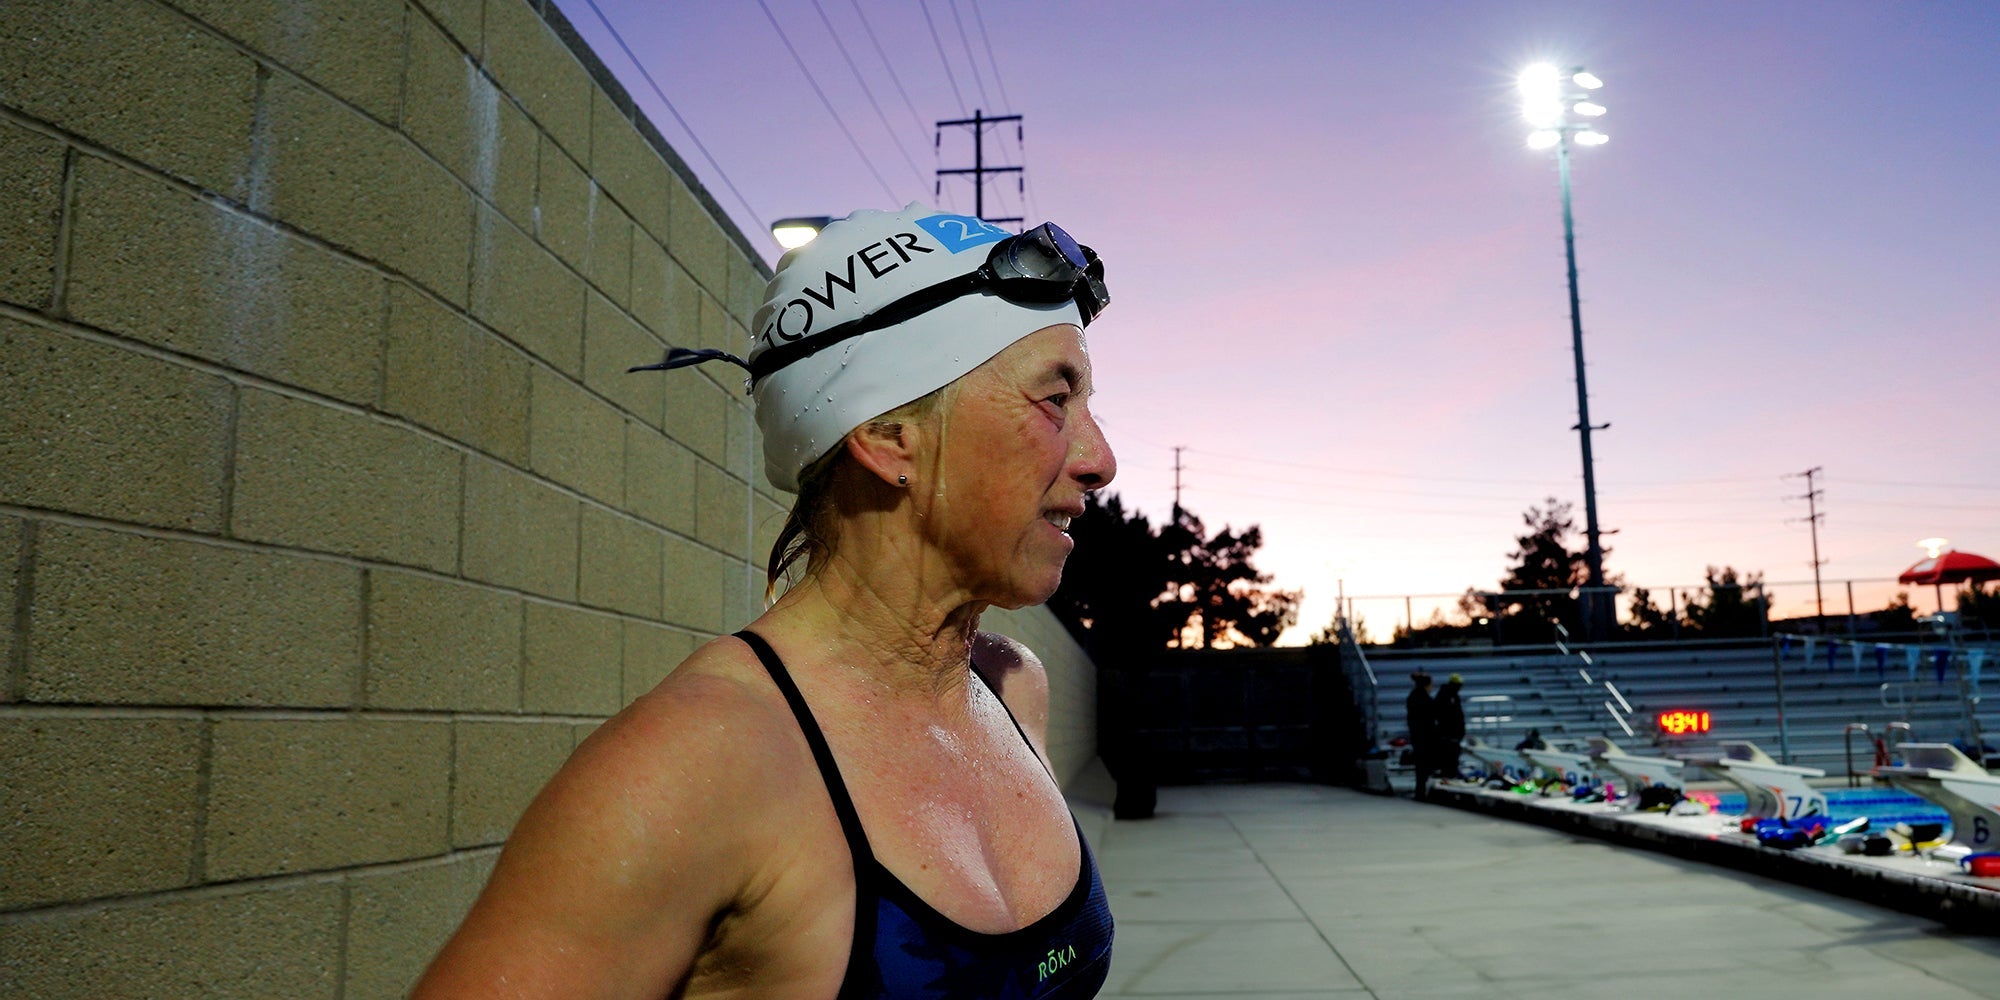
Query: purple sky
{"points": [[1337, 270]]}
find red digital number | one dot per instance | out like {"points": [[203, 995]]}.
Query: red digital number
{"points": [[1680, 722]]}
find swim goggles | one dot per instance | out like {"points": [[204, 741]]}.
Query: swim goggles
{"points": [[1043, 266]]}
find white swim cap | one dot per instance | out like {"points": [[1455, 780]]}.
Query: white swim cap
{"points": [[855, 267]]}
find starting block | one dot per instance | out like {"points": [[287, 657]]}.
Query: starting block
{"points": [[1504, 762], [1642, 772], [1940, 773], [1774, 789], [1573, 766]]}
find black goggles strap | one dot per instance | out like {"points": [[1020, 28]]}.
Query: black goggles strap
{"points": [[910, 306]]}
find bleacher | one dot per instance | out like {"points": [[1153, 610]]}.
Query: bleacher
{"points": [[1508, 691]]}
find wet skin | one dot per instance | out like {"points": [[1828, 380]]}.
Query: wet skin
{"points": [[688, 848]]}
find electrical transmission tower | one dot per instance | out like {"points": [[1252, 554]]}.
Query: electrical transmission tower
{"points": [[978, 123], [1812, 496]]}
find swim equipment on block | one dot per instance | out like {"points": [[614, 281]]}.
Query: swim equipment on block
{"points": [[1573, 766], [1642, 772], [1503, 761], [1940, 773], [1773, 789]]}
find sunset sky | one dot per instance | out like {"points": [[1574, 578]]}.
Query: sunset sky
{"points": [[1337, 270]]}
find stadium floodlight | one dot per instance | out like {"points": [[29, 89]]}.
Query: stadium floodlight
{"points": [[1561, 106]]}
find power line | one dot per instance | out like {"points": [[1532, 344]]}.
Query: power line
{"points": [[942, 58], [915, 118], [866, 92], [1812, 496], [685, 127], [870, 164], [971, 61], [979, 20]]}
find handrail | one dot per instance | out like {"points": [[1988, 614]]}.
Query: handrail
{"points": [[1847, 743]]}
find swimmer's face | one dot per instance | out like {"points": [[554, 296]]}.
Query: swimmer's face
{"points": [[1021, 451]]}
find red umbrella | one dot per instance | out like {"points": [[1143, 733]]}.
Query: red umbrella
{"points": [[1950, 567]]}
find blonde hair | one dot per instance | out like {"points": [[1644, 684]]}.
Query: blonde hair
{"points": [[810, 531]]}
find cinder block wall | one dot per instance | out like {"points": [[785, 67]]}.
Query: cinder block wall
{"points": [[329, 521]]}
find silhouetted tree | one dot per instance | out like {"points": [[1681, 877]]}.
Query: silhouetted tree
{"points": [[1648, 619], [1129, 586], [1542, 560], [1898, 616], [1979, 607], [1727, 608]]}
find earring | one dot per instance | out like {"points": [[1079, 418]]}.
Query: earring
{"points": [[902, 480]]}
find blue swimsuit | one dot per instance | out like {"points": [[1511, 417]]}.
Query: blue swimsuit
{"points": [[906, 950]]}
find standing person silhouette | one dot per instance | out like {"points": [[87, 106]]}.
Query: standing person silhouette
{"points": [[1422, 715], [1449, 714], [852, 797]]}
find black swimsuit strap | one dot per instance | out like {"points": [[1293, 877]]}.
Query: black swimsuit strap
{"points": [[1017, 723], [843, 804]]}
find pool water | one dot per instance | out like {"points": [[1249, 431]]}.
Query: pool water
{"points": [[1882, 806]]}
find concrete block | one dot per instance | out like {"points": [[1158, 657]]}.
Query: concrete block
{"points": [[697, 416], [620, 567], [427, 364], [498, 391], [13, 536], [562, 206], [573, 661], [742, 594], [649, 281], [399, 918], [150, 262], [525, 293], [498, 767], [125, 619], [611, 233], [300, 795], [659, 479], [461, 18], [533, 65], [519, 533], [506, 146], [768, 521], [651, 653], [627, 166], [249, 945], [325, 479], [722, 514], [347, 46], [693, 580], [746, 287], [695, 240], [442, 645], [439, 113], [53, 60], [575, 438], [31, 171], [96, 807], [611, 344], [581, 731], [97, 430], [683, 308], [365, 188]]}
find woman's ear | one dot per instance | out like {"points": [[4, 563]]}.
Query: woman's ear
{"points": [[887, 448]]}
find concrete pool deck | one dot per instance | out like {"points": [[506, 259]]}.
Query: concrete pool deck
{"points": [[1287, 892]]}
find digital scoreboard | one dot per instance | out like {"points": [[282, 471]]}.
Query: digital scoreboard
{"points": [[1683, 722]]}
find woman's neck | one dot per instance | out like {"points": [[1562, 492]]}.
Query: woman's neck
{"points": [[906, 636]]}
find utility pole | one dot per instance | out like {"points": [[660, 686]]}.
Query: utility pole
{"points": [[978, 123], [1177, 481], [1812, 496]]}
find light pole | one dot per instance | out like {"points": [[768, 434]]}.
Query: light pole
{"points": [[798, 231], [1559, 104]]}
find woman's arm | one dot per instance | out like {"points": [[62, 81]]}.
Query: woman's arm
{"points": [[610, 883]]}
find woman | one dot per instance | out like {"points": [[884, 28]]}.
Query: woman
{"points": [[852, 797]]}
